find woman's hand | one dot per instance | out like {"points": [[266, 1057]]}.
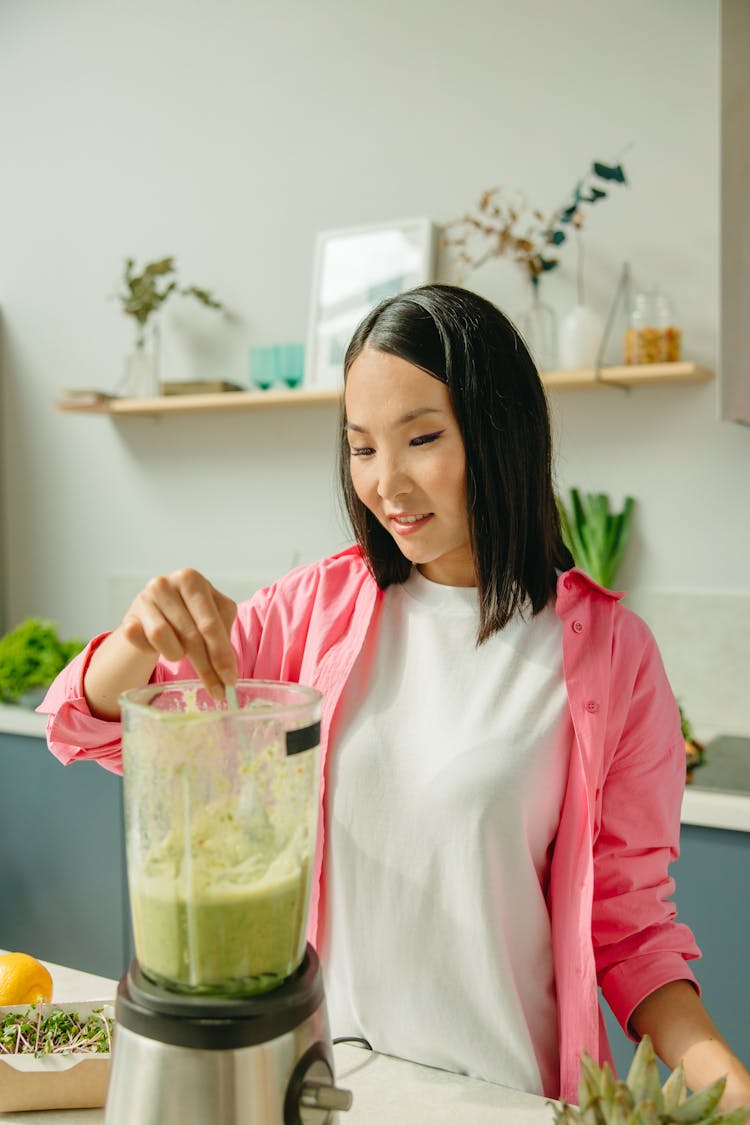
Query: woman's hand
{"points": [[681, 1030], [179, 615], [182, 615]]}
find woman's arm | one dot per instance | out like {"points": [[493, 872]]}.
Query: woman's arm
{"points": [[681, 1029], [180, 615], [640, 947]]}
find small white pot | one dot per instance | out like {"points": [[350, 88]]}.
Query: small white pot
{"points": [[580, 338]]}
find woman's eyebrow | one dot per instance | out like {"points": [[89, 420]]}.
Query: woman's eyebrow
{"points": [[408, 417]]}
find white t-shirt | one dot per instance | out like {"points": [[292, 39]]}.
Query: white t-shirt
{"points": [[444, 795]]}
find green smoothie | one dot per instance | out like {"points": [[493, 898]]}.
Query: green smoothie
{"points": [[224, 914]]}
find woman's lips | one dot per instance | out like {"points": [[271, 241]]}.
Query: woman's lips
{"points": [[407, 524]]}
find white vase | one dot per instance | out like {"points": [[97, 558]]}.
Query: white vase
{"points": [[580, 338]]}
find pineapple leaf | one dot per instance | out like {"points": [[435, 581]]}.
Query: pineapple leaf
{"points": [[733, 1117], [699, 1105], [643, 1076], [674, 1089], [594, 1114], [646, 1113], [589, 1083], [564, 1114], [622, 1105], [607, 1086]]}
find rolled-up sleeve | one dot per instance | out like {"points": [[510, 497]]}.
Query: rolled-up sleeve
{"points": [[72, 731], [639, 945]]}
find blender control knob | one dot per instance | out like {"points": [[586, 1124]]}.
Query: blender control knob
{"points": [[312, 1098], [320, 1095]]}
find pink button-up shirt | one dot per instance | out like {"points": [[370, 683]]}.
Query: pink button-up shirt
{"points": [[613, 924]]}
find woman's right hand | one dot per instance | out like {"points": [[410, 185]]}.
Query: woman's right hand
{"points": [[179, 615]]}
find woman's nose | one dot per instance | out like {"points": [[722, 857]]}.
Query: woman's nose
{"points": [[392, 480]]}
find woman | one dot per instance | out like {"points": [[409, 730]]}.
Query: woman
{"points": [[503, 764]]}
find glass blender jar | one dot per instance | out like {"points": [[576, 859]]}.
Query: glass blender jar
{"points": [[221, 814], [221, 1016]]}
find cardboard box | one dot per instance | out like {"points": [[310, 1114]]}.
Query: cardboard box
{"points": [[61, 1081]]}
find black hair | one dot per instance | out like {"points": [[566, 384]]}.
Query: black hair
{"points": [[501, 408]]}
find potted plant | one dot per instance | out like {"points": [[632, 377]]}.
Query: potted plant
{"points": [[142, 296], [31, 655], [595, 537]]}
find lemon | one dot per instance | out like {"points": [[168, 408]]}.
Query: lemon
{"points": [[23, 980]]}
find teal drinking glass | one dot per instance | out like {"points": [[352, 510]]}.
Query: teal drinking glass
{"points": [[291, 364], [264, 367]]}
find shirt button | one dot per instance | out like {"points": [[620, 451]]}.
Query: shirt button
{"points": [[577, 626], [592, 706]]}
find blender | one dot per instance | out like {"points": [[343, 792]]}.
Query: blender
{"points": [[221, 1016]]}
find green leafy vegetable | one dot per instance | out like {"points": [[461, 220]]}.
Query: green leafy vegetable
{"points": [[55, 1033], [31, 656], [595, 537]]}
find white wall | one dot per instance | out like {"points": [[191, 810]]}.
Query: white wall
{"points": [[229, 134]]}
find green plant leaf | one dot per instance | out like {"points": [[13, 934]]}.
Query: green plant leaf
{"points": [[203, 296], [143, 296], [609, 172], [595, 537]]}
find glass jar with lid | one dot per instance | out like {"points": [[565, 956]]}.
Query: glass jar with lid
{"points": [[652, 335]]}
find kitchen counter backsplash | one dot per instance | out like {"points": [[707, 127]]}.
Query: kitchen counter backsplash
{"points": [[705, 643]]}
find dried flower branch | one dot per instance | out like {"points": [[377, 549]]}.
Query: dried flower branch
{"points": [[502, 229], [515, 230]]}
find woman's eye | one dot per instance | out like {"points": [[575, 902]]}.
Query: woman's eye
{"points": [[360, 450], [425, 439]]}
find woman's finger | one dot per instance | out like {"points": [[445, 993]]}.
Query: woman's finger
{"points": [[181, 615], [202, 619]]}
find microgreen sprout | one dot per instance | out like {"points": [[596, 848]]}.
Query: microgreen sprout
{"points": [[56, 1032]]}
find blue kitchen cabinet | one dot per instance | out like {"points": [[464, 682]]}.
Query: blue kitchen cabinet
{"points": [[62, 877]]}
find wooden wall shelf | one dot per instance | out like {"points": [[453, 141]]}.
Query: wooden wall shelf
{"points": [[630, 376], [633, 375]]}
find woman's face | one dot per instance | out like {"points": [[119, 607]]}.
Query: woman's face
{"points": [[408, 464]]}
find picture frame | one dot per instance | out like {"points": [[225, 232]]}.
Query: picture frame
{"points": [[354, 269]]}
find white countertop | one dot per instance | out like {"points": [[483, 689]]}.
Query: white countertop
{"points": [[711, 808], [707, 808], [21, 720], [387, 1091]]}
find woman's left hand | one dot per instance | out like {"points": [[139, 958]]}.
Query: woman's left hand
{"points": [[681, 1030]]}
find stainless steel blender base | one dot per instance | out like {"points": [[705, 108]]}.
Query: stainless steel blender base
{"points": [[154, 1083], [266, 1061]]}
